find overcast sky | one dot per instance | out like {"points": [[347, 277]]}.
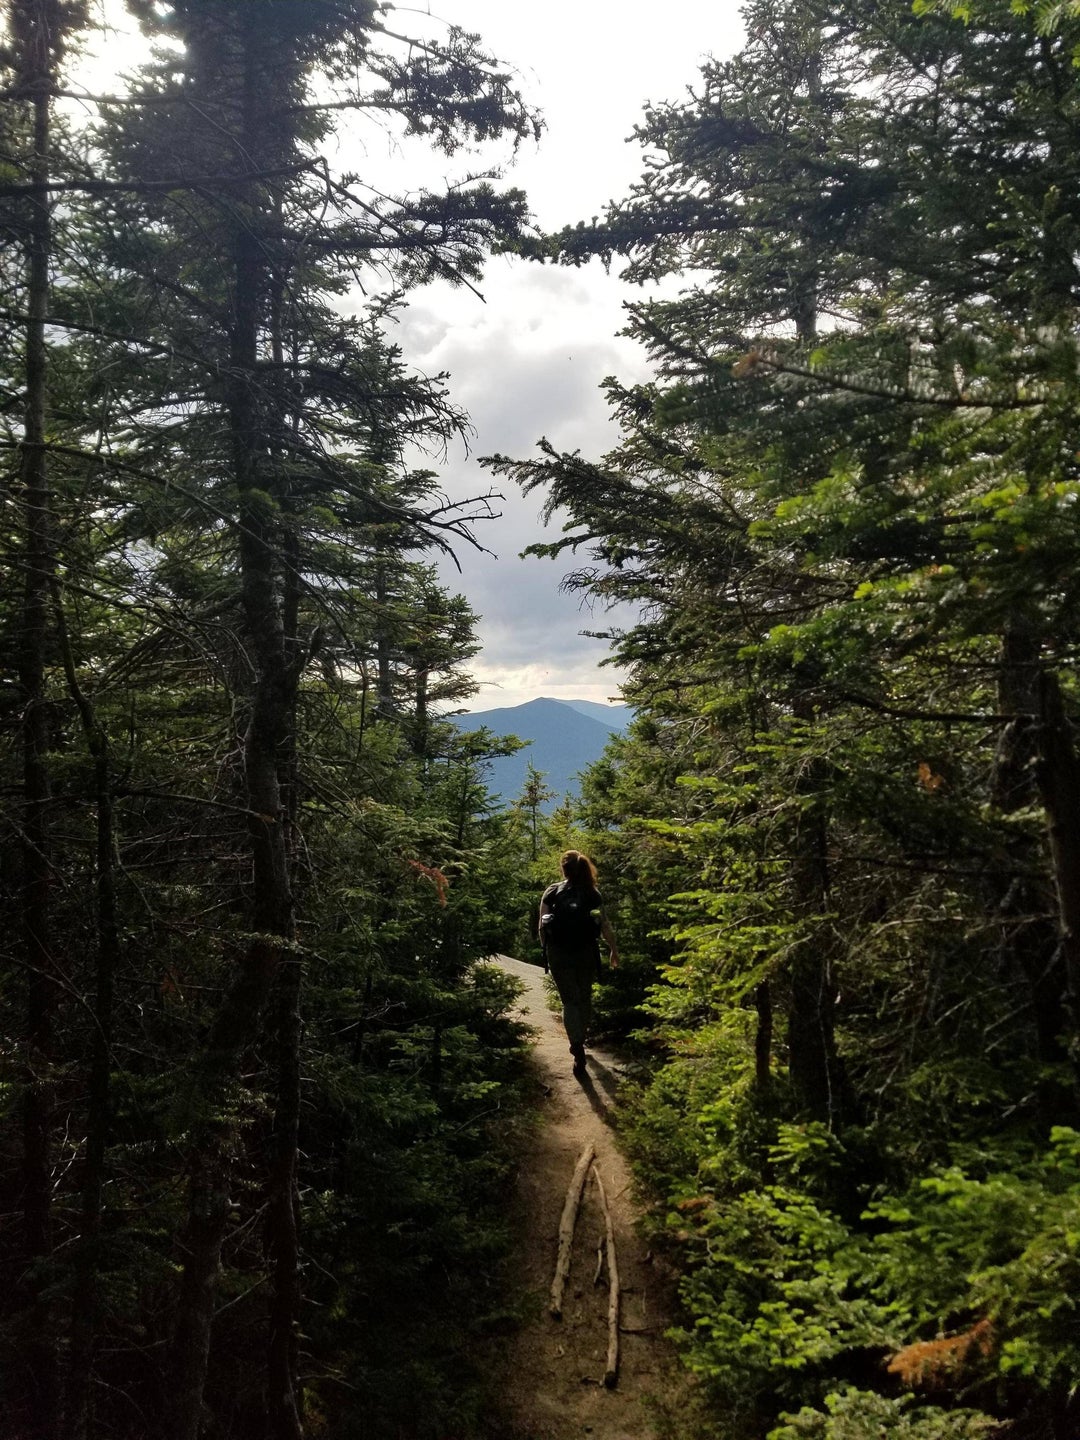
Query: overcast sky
{"points": [[527, 360]]}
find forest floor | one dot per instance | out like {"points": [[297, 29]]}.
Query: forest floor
{"points": [[553, 1387]]}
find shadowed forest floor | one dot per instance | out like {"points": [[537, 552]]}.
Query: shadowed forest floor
{"points": [[554, 1368]]}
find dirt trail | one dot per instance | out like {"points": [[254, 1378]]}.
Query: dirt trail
{"points": [[555, 1370]]}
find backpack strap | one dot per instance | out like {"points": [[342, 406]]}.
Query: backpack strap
{"points": [[549, 894]]}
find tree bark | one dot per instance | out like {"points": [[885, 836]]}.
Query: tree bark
{"points": [[86, 1308], [1028, 931], [384, 704], [238, 1020], [282, 1230], [763, 1036], [420, 715], [208, 1214], [1058, 775], [812, 1060], [33, 21], [283, 1213]]}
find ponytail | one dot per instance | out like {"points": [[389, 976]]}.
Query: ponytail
{"points": [[578, 869]]}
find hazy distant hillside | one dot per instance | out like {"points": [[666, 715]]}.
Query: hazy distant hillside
{"points": [[615, 717], [567, 736]]}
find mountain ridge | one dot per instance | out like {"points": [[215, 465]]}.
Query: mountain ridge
{"points": [[566, 737]]}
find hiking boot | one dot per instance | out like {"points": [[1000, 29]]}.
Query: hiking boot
{"points": [[578, 1052]]}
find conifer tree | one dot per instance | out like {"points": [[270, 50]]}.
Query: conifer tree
{"points": [[253, 185], [860, 389], [846, 506], [38, 34], [240, 450]]}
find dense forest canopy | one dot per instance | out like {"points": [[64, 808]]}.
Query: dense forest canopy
{"points": [[247, 870], [845, 825], [257, 1106]]}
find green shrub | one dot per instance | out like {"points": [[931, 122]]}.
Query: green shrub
{"points": [[850, 1414]]}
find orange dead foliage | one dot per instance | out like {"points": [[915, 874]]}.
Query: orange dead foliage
{"points": [[435, 875], [747, 364], [928, 778], [935, 1363]]}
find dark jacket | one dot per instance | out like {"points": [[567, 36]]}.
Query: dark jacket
{"points": [[586, 952]]}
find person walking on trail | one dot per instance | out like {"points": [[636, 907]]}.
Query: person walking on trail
{"points": [[572, 920]]}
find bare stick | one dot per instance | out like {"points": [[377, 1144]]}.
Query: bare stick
{"points": [[566, 1229], [599, 1262], [611, 1374]]}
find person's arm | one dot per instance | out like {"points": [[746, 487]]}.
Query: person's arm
{"points": [[545, 908], [609, 937]]}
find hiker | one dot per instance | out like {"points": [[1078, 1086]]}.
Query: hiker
{"points": [[572, 920]]}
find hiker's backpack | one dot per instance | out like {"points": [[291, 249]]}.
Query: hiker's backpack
{"points": [[573, 917]]}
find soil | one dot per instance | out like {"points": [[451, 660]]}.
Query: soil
{"points": [[554, 1369]]}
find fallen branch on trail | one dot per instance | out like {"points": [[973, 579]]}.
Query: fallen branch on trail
{"points": [[566, 1229], [611, 1374]]}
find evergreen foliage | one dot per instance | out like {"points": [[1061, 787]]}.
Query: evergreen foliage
{"points": [[258, 1114], [842, 827]]}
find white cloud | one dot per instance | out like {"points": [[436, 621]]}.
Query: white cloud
{"points": [[527, 364], [502, 686], [528, 360]]}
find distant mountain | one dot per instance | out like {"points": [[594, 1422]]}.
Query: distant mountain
{"points": [[566, 735], [615, 717]]}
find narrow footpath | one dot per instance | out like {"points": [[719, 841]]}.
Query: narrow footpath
{"points": [[555, 1368]]}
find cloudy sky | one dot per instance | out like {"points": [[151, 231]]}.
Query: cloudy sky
{"points": [[527, 359]]}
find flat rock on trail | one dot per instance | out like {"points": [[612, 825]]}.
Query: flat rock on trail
{"points": [[554, 1386]]}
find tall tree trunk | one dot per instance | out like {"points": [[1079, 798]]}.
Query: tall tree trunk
{"points": [[87, 1291], [42, 993], [208, 1214], [282, 1229], [361, 726], [763, 1036], [283, 1213], [420, 718], [1028, 933], [86, 1307], [806, 280], [238, 1021], [816, 1072], [1058, 775], [812, 1059], [384, 704]]}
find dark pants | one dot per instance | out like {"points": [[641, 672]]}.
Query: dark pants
{"points": [[574, 973]]}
